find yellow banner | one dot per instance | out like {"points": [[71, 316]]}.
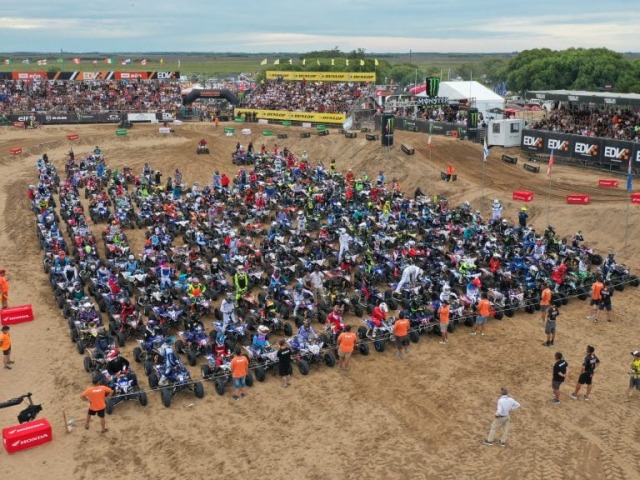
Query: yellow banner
{"points": [[282, 115], [323, 76]]}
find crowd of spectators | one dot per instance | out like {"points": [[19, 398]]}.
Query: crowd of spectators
{"points": [[610, 123], [56, 96], [442, 113], [319, 97]]}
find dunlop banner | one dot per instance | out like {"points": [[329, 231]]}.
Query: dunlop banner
{"points": [[323, 76], [293, 116]]}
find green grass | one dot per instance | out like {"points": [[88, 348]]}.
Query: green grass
{"points": [[218, 64]]}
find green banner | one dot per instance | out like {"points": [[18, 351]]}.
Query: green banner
{"points": [[121, 132]]}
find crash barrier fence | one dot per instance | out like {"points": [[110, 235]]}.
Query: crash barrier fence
{"points": [[368, 341], [590, 152]]}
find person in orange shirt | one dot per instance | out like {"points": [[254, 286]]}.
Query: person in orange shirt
{"points": [[239, 371], [5, 346], [545, 301], [346, 345], [444, 314], [450, 173], [596, 297], [4, 289], [484, 310], [97, 398], [401, 332]]}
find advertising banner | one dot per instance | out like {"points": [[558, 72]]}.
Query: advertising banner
{"points": [[560, 143], [616, 151], [322, 76], [95, 75], [533, 141], [587, 148], [293, 116]]}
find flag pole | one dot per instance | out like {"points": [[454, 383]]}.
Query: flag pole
{"points": [[626, 228]]}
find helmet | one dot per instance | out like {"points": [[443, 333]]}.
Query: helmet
{"points": [[306, 322], [523, 209], [533, 269], [214, 260], [263, 329], [466, 203], [504, 221], [383, 307], [167, 340], [496, 201], [152, 323], [477, 282], [113, 354], [497, 255], [240, 268], [61, 253], [274, 224], [300, 213], [131, 257], [228, 296], [102, 332], [446, 289]]}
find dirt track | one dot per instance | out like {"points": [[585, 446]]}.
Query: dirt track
{"points": [[419, 418]]}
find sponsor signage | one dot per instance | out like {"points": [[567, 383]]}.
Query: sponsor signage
{"points": [[27, 435], [603, 151], [13, 315], [616, 151], [635, 198], [523, 195], [578, 199], [608, 183], [15, 151], [322, 76], [99, 75], [293, 116], [587, 148], [533, 142], [425, 126]]}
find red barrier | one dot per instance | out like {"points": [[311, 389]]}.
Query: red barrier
{"points": [[27, 435], [608, 182], [13, 315], [635, 198], [578, 199], [73, 136], [16, 150], [523, 195], [18, 124]]}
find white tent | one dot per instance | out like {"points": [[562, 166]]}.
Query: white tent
{"points": [[485, 99]]}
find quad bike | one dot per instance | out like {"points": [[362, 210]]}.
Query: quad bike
{"points": [[219, 372], [171, 383]]}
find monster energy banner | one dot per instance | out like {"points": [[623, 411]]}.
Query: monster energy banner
{"points": [[432, 102], [472, 119], [388, 126], [433, 86], [424, 126]]}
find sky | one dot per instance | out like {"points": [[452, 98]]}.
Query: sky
{"points": [[263, 26]]}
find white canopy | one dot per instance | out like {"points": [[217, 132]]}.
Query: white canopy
{"points": [[485, 98]]}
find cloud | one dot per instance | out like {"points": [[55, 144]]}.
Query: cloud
{"points": [[294, 26]]}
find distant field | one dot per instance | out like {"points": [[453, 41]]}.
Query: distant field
{"points": [[217, 64]]}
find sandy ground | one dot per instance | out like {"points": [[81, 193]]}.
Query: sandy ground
{"points": [[423, 417]]}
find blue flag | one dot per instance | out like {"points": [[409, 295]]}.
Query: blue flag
{"points": [[629, 178]]}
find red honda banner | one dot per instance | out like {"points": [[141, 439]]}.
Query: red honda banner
{"points": [[27, 435], [608, 182], [578, 199], [523, 195], [635, 198], [13, 315]]}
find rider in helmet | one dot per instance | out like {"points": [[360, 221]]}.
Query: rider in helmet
{"points": [[306, 332], [260, 341], [379, 314], [152, 330], [131, 265], [228, 310], [195, 288], [104, 343], [127, 310], [241, 282]]}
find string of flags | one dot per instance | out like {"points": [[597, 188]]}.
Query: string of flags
{"points": [[303, 62], [77, 61]]}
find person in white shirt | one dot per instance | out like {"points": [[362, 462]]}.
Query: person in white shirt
{"points": [[344, 240], [228, 310], [317, 284], [410, 275], [496, 210], [505, 405]]}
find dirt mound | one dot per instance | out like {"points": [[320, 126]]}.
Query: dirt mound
{"points": [[421, 417]]}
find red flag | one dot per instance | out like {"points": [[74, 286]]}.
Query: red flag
{"points": [[551, 161]]}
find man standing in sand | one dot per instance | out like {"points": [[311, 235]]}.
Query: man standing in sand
{"points": [[346, 345], [586, 375], [502, 420], [4, 289], [239, 372], [545, 301], [96, 395], [596, 289], [5, 346], [634, 373], [559, 376]]}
